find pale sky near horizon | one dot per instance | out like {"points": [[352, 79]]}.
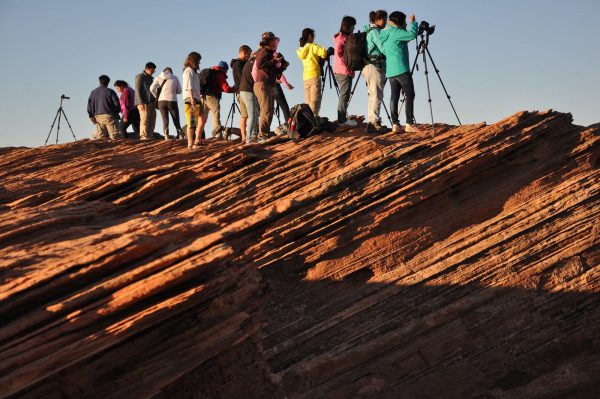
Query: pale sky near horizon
{"points": [[495, 57]]}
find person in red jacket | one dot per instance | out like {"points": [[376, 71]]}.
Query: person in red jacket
{"points": [[214, 84]]}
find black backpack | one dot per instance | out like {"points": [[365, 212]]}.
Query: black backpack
{"points": [[208, 83], [355, 51], [301, 122]]}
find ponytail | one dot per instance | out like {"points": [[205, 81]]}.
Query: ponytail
{"points": [[306, 34]]}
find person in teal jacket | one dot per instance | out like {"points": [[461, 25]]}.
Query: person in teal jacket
{"points": [[374, 71], [395, 38]]}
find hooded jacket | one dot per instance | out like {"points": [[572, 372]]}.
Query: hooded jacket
{"points": [[339, 65], [311, 54], [266, 68], [395, 48], [374, 45], [170, 86]]}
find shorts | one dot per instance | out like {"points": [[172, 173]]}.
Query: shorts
{"points": [[191, 117], [243, 109]]}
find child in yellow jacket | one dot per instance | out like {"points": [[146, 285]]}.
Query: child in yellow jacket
{"points": [[311, 55]]}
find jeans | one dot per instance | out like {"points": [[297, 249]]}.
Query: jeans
{"points": [[345, 84], [402, 82], [166, 108], [375, 79], [249, 100], [281, 102]]}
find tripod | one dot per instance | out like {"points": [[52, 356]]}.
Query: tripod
{"points": [[382, 102], [60, 113], [231, 114], [423, 49], [328, 73]]}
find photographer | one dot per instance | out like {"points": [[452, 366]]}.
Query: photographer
{"points": [[213, 83], [343, 75], [311, 55], [103, 109], [268, 65], [237, 66], [395, 48], [374, 71]]}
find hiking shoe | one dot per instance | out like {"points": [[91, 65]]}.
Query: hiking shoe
{"points": [[397, 128], [349, 123], [412, 128], [371, 129]]}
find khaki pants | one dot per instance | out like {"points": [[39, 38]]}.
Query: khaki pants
{"points": [[375, 82], [147, 120], [213, 105], [107, 125], [264, 94], [312, 94]]}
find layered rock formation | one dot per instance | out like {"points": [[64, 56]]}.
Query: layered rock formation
{"points": [[463, 263]]}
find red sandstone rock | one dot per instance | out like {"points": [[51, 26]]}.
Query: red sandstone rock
{"points": [[460, 264]]}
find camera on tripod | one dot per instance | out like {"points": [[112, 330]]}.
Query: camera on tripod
{"points": [[65, 97], [424, 27]]}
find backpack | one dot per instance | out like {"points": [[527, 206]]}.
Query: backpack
{"points": [[355, 51], [208, 83], [302, 122]]}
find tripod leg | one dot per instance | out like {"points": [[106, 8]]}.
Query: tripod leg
{"points": [[428, 90], [68, 124], [353, 89], [52, 127], [58, 125], [437, 71]]}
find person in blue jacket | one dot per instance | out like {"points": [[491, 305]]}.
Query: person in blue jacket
{"points": [[395, 38]]}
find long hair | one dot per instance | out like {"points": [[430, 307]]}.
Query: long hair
{"points": [[121, 83], [398, 18], [192, 61], [306, 34], [347, 24]]}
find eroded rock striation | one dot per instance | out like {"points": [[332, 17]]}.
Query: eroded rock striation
{"points": [[458, 264]]}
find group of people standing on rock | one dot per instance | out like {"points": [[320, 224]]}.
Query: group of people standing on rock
{"points": [[258, 79]]}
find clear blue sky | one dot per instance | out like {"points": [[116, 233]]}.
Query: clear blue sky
{"points": [[496, 57]]}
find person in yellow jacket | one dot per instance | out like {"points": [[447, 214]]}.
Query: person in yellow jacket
{"points": [[311, 55]]}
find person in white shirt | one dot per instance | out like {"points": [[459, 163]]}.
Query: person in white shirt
{"points": [[166, 87], [191, 98]]}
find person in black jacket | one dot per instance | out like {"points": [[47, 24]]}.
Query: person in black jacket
{"points": [[237, 66], [144, 101], [103, 109]]}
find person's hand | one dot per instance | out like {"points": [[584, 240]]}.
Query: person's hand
{"points": [[125, 120], [411, 18]]}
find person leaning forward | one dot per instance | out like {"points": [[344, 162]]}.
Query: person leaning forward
{"points": [[144, 101], [103, 109]]}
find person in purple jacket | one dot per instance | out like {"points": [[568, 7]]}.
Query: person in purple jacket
{"points": [[130, 116], [342, 73], [103, 109]]}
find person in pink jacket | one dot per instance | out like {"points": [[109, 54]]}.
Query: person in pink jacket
{"points": [[342, 74]]}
